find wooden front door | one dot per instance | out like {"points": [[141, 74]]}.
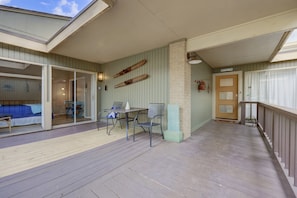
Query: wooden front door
{"points": [[227, 96]]}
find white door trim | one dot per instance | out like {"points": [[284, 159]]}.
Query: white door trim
{"points": [[240, 91]]}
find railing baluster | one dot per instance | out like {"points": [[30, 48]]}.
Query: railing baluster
{"points": [[275, 144], [287, 142], [261, 116], [292, 148], [279, 128], [283, 141], [269, 123], [295, 155]]}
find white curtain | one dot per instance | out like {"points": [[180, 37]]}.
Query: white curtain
{"points": [[278, 87]]}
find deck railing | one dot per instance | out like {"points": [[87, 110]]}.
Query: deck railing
{"points": [[279, 126]]}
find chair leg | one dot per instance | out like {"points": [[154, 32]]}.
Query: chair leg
{"points": [[162, 131], [113, 125], [120, 123], [9, 124], [134, 132], [107, 126], [143, 129], [150, 132]]}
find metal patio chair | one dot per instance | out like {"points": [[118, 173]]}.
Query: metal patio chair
{"points": [[154, 118], [111, 114]]}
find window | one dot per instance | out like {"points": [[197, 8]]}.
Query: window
{"points": [[278, 87], [289, 49]]}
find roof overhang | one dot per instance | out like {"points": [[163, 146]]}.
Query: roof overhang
{"points": [[95, 9], [232, 34]]}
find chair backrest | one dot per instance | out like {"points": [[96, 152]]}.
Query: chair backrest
{"points": [[80, 103], [117, 105], [155, 109]]}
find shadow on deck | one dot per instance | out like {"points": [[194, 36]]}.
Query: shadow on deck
{"points": [[218, 160]]}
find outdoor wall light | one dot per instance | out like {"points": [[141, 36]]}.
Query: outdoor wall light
{"points": [[100, 76], [193, 58]]}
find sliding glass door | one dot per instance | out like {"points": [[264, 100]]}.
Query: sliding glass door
{"points": [[20, 96], [71, 96], [83, 96]]}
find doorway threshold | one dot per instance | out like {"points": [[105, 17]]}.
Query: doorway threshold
{"points": [[226, 120]]}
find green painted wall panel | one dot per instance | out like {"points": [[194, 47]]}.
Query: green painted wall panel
{"points": [[153, 89], [201, 101], [261, 66], [23, 54]]}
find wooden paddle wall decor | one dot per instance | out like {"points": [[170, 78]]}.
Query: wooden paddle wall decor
{"points": [[132, 80], [131, 68]]}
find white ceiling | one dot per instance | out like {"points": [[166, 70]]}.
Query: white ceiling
{"points": [[246, 51], [134, 26]]}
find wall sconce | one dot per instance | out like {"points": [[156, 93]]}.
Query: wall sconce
{"points": [[193, 58], [100, 76]]}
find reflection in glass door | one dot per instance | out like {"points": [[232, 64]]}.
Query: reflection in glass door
{"points": [[82, 96], [62, 104], [71, 96]]}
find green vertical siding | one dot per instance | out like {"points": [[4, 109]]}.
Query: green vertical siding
{"points": [[153, 89], [22, 54], [261, 66]]}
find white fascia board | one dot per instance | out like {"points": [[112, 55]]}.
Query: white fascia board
{"points": [[97, 8], [22, 42], [274, 23]]}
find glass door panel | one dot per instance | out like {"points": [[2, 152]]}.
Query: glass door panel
{"points": [[71, 92], [226, 109], [83, 96], [62, 96], [226, 95], [226, 82]]}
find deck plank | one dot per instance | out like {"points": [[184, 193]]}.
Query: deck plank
{"points": [[218, 160], [74, 171], [13, 140]]}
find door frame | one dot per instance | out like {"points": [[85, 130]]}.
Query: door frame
{"points": [[240, 91], [93, 94]]}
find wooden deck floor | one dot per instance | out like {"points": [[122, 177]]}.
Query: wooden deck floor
{"points": [[218, 160]]}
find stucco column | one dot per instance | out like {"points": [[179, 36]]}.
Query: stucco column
{"points": [[180, 84]]}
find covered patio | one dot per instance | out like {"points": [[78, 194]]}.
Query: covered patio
{"points": [[220, 159]]}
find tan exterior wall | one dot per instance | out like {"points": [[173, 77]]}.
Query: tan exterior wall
{"points": [[180, 84]]}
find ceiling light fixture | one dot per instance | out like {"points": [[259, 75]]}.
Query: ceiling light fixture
{"points": [[193, 58]]}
